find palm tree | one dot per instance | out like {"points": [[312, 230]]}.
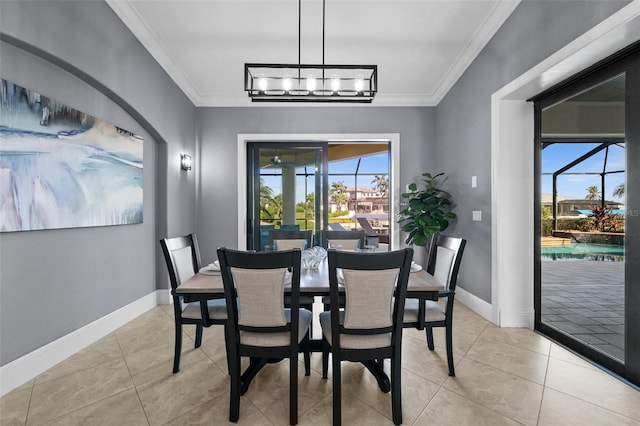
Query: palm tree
{"points": [[593, 193], [381, 184], [338, 194], [266, 199], [619, 191]]}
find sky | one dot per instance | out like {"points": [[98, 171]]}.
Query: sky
{"points": [[369, 166], [556, 156]]}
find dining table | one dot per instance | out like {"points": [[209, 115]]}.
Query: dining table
{"points": [[207, 284]]}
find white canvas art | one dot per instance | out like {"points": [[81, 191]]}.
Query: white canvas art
{"points": [[62, 168]]}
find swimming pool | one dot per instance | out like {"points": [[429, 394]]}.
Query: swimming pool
{"points": [[584, 251]]}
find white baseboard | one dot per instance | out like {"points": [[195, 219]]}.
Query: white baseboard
{"points": [[516, 319], [477, 305], [25, 368]]}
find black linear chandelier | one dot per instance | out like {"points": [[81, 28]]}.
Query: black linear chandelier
{"points": [[310, 83]]}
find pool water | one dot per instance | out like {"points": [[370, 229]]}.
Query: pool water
{"points": [[576, 251]]}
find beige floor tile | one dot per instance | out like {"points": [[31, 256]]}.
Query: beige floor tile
{"points": [[213, 346], [448, 408], [69, 393], [216, 412], [14, 406], [558, 352], [505, 393], [96, 386], [417, 392], [561, 409], [593, 386], [522, 338], [432, 365], [121, 409], [101, 352], [172, 395], [149, 334], [269, 391], [463, 339], [520, 362], [155, 361], [354, 413]]}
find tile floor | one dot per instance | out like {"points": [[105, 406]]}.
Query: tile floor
{"points": [[585, 299], [505, 376]]}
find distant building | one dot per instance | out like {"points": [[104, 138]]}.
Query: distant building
{"points": [[577, 207], [364, 200]]}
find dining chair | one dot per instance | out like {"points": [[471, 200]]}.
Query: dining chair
{"points": [[369, 327], [287, 240], [347, 240], [182, 256], [259, 326], [445, 256]]}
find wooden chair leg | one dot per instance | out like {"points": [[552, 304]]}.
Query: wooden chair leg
{"points": [[199, 335], [227, 343], [306, 350], [396, 390], [293, 389], [337, 391], [449, 333], [236, 384], [429, 332], [178, 348], [325, 358]]}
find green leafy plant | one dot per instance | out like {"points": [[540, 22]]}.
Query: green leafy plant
{"points": [[426, 212], [603, 219]]}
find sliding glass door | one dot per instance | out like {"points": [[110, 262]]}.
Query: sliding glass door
{"points": [[588, 194], [319, 185], [286, 189]]}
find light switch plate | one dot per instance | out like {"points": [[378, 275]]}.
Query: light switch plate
{"points": [[474, 181], [477, 215]]}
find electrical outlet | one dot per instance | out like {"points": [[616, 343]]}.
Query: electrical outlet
{"points": [[477, 215]]}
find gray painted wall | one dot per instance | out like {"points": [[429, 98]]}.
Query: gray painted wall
{"points": [[219, 127], [535, 30], [53, 282]]}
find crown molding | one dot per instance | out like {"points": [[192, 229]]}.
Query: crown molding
{"points": [[142, 31]]}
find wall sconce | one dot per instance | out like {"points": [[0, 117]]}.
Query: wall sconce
{"points": [[185, 162]]}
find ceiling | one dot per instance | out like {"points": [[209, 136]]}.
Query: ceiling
{"points": [[421, 47]]}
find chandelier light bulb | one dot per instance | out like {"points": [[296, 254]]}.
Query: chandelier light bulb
{"points": [[311, 82], [335, 82], [359, 83], [286, 83], [262, 82]]}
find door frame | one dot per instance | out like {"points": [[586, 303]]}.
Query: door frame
{"points": [[394, 191], [621, 62], [512, 154]]}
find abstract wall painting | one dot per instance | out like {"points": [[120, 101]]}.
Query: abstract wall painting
{"points": [[62, 168]]}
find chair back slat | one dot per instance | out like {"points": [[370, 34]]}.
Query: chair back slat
{"points": [[182, 256], [375, 291], [290, 244], [369, 297], [183, 263], [445, 257], [349, 240], [260, 296], [291, 239], [444, 265]]}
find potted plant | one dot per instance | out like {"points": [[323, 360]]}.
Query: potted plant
{"points": [[426, 212]]}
